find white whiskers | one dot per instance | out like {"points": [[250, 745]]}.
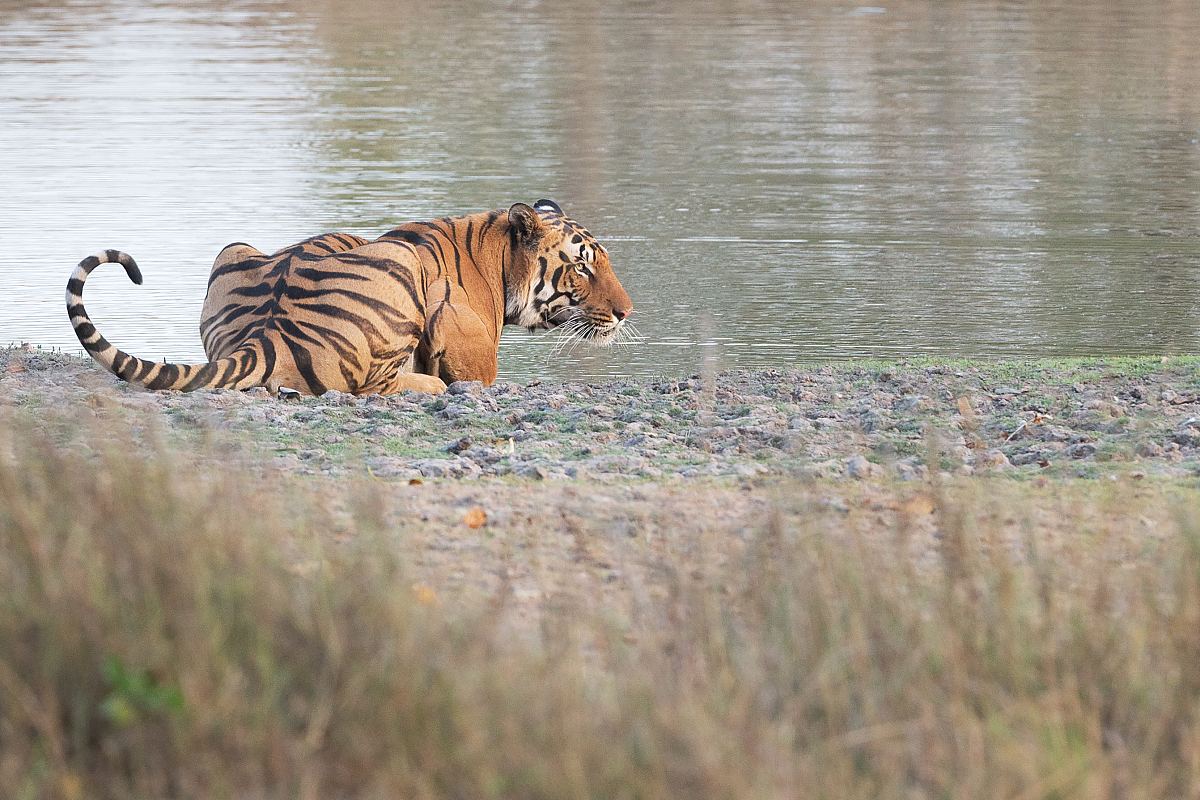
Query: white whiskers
{"points": [[579, 329], [573, 331], [628, 335]]}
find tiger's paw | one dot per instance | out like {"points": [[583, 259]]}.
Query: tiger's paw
{"points": [[418, 382]]}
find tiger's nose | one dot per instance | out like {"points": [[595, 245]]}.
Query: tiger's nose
{"points": [[622, 313]]}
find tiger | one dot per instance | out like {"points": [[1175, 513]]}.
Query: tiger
{"points": [[418, 308]]}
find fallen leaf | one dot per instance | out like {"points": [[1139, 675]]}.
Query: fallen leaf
{"points": [[918, 505], [70, 786], [967, 411], [425, 595], [476, 518]]}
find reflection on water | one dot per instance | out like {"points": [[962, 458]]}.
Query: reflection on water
{"points": [[776, 181]]}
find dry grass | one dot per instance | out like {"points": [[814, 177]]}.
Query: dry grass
{"points": [[168, 633]]}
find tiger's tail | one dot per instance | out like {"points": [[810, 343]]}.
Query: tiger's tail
{"points": [[248, 366]]}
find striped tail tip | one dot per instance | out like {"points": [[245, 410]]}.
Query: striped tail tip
{"points": [[111, 257]]}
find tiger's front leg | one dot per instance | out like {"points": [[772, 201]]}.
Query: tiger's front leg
{"points": [[456, 344]]}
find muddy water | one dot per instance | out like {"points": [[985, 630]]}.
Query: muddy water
{"points": [[776, 181]]}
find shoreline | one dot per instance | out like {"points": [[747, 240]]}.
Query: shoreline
{"points": [[859, 420]]}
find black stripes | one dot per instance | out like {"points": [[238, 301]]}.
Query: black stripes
{"points": [[258, 290], [85, 331], [268, 348], [113, 257], [243, 266], [201, 378], [412, 237], [168, 375], [145, 369], [95, 344], [304, 365]]}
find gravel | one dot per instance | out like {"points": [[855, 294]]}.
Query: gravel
{"points": [[838, 421]]}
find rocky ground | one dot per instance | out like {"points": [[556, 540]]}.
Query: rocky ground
{"points": [[1084, 418], [541, 495]]}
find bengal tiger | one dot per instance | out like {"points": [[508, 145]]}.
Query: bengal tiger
{"points": [[418, 308]]}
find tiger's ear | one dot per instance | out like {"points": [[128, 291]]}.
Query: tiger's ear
{"points": [[525, 222], [548, 205]]}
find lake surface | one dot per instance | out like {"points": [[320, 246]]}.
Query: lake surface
{"points": [[776, 181]]}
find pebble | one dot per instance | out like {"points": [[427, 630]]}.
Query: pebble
{"points": [[1081, 450], [860, 468], [335, 398], [465, 388], [532, 471], [991, 459]]}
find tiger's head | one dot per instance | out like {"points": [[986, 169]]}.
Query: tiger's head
{"points": [[562, 276]]}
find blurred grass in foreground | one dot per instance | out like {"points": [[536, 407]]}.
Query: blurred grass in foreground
{"points": [[167, 632]]}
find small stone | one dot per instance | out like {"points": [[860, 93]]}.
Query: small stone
{"points": [[602, 411], [1104, 407], [792, 442], [434, 468], [860, 468], [1186, 437], [1081, 450], [872, 421], [465, 387], [1149, 450], [335, 398], [482, 454], [1026, 457], [992, 459], [390, 467], [534, 472]]}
